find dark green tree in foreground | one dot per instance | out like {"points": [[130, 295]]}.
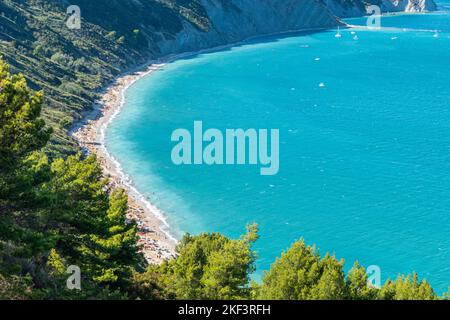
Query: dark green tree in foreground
{"points": [[22, 133], [301, 274], [407, 288]]}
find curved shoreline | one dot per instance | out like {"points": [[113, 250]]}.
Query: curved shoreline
{"points": [[154, 231]]}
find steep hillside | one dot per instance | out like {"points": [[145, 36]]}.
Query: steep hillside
{"points": [[71, 65]]}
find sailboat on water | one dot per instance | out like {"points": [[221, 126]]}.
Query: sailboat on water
{"points": [[338, 34]]}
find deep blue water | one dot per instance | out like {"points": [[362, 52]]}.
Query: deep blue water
{"points": [[364, 161]]}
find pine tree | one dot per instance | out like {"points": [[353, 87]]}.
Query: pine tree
{"points": [[357, 287], [92, 227], [407, 288], [56, 213], [208, 266], [300, 274]]}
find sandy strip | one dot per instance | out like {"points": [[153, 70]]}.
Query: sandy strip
{"points": [[154, 232], [155, 238]]}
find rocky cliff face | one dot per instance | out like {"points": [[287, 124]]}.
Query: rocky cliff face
{"points": [[234, 20], [408, 5]]}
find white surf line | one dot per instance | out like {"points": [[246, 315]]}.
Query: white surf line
{"points": [[126, 179]]}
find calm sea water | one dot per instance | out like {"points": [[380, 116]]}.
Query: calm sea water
{"points": [[364, 162]]}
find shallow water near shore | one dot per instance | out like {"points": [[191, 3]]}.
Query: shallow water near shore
{"points": [[364, 159]]}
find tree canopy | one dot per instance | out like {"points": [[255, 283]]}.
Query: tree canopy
{"points": [[57, 212]]}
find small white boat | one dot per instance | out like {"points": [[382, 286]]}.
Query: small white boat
{"points": [[322, 85], [436, 34], [355, 37], [338, 34]]}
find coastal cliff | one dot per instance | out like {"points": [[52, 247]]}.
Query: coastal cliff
{"points": [[71, 65]]}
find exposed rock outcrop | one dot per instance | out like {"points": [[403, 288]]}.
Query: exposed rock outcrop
{"points": [[234, 20], [408, 5]]}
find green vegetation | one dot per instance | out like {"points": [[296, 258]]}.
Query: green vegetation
{"points": [[209, 266], [70, 66], [301, 274], [57, 213], [55, 209]]}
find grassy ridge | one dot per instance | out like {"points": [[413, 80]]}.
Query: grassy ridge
{"points": [[71, 65]]}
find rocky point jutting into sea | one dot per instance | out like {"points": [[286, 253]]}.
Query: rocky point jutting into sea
{"points": [[236, 20]]}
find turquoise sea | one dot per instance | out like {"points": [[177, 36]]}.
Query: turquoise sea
{"points": [[364, 160]]}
